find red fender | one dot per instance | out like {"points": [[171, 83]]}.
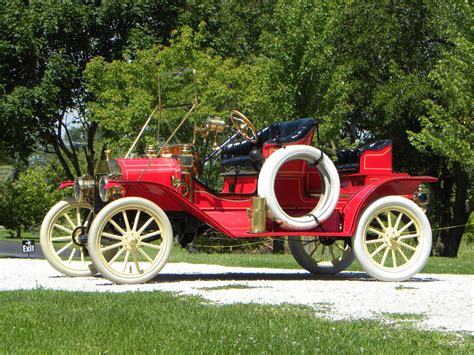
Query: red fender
{"points": [[65, 184], [404, 186]]}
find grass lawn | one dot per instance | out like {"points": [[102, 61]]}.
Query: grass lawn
{"points": [[5, 235], [55, 321]]}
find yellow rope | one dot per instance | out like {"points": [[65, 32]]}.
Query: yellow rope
{"points": [[229, 246], [286, 239], [452, 227]]}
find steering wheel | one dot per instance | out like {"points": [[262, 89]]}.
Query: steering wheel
{"points": [[243, 126]]}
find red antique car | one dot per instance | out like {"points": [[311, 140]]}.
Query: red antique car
{"points": [[123, 221]]}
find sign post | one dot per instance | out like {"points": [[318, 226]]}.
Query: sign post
{"points": [[28, 246]]}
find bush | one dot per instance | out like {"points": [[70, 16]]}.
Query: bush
{"points": [[25, 200]]}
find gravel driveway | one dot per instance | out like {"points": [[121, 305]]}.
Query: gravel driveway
{"points": [[441, 302]]}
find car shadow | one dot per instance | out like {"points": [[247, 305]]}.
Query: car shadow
{"points": [[237, 276], [242, 276]]}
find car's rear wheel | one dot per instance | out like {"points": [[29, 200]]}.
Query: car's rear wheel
{"points": [[130, 240], [393, 239], [321, 255], [59, 237]]}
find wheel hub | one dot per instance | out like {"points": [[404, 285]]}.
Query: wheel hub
{"points": [[79, 237], [327, 240], [132, 241], [391, 238]]}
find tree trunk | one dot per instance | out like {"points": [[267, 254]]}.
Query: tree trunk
{"points": [[450, 239], [89, 151], [18, 232]]}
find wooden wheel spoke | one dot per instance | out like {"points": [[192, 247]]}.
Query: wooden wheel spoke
{"points": [[402, 254], [375, 231], [117, 255], [61, 239], [407, 246], [147, 223], [373, 241], [125, 219], [394, 258], [339, 247], [397, 222], [82, 256], [141, 251], [152, 234], [60, 251], [62, 228], [316, 244], [379, 221], [110, 247], [152, 246], [69, 220], [378, 250], [127, 255], [117, 227], [112, 236], [73, 251], [384, 257], [135, 223], [135, 261], [405, 227], [389, 219]]}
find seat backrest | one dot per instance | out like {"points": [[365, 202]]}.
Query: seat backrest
{"points": [[289, 131], [276, 133]]}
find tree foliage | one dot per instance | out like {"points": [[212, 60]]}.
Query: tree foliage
{"points": [[44, 48], [127, 91], [26, 200]]}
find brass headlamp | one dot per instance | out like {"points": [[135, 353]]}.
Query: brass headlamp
{"points": [[84, 188]]}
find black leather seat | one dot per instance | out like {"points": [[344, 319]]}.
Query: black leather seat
{"points": [[348, 160], [235, 156]]}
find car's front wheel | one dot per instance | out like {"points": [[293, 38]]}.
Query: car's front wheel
{"points": [[393, 239], [60, 235], [130, 240]]}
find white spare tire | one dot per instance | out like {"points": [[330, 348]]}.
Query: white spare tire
{"points": [[329, 189]]}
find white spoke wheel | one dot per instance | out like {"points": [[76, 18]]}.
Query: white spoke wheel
{"points": [[321, 255], [393, 239], [64, 221], [130, 240]]}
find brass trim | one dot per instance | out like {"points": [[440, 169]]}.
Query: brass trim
{"points": [[257, 215]]}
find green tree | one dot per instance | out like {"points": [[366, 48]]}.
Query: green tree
{"points": [[44, 48], [26, 200], [126, 90], [448, 131]]}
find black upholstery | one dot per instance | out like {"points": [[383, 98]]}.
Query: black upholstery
{"points": [[348, 159], [236, 155]]}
